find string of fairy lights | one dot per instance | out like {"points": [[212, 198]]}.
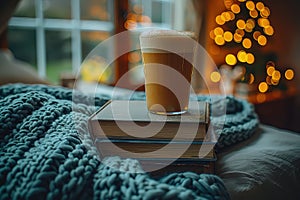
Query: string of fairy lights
{"points": [[246, 24]]}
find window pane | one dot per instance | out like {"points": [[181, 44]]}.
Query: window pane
{"points": [[157, 11], [58, 9], [96, 10], [58, 52], [22, 44], [25, 9], [97, 63]]}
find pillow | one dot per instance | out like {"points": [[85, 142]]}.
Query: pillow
{"points": [[264, 167]]}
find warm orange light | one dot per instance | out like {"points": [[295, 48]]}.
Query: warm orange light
{"points": [[247, 29], [269, 30], [265, 22], [230, 59], [228, 3], [250, 58], [269, 80], [240, 32], [220, 20], [253, 13], [228, 36], [262, 40], [250, 23], [274, 82], [242, 56], [130, 24], [256, 34], [265, 12], [241, 24], [270, 70], [262, 22], [212, 34], [219, 40], [247, 43], [235, 8], [289, 74], [226, 16], [232, 15], [259, 6], [276, 75], [241, 0], [218, 31], [250, 5], [237, 38], [263, 87], [251, 78], [215, 77]]}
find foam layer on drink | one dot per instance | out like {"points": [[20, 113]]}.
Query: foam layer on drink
{"points": [[163, 41]]}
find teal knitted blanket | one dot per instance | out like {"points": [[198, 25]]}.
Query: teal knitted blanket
{"points": [[42, 154]]}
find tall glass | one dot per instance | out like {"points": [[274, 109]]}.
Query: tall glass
{"points": [[167, 57]]}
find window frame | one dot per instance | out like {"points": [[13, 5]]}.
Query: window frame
{"points": [[119, 9]]}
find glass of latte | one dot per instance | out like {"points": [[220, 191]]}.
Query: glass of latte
{"points": [[168, 65]]}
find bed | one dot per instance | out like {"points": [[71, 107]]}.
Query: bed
{"points": [[45, 152]]}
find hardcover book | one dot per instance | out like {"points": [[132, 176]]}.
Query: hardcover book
{"points": [[156, 149], [173, 143], [131, 120]]}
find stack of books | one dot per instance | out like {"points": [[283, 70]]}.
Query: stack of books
{"points": [[167, 144]]}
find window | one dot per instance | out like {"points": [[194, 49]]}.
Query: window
{"points": [[56, 35]]}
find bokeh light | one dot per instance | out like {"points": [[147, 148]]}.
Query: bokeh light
{"points": [[263, 87], [235, 8], [289, 74], [276, 75], [220, 20], [251, 78], [247, 43], [270, 70], [265, 12], [250, 5], [253, 13], [250, 58], [256, 34], [228, 4], [262, 40], [228, 36], [241, 24], [237, 38], [218, 31], [230, 59], [215, 77], [219, 40], [269, 30], [259, 6], [212, 34], [242, 56]]}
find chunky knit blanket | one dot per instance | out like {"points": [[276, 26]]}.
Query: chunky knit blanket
{"points": [[43, 151]]}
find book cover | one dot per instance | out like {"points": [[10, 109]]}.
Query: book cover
{"points": [[119, 119], [157, 149]]}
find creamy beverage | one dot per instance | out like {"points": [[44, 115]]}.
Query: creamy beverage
{"points": [[167, 57]]}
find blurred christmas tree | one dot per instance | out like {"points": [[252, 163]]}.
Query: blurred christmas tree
{"points": [[244, 27]]}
